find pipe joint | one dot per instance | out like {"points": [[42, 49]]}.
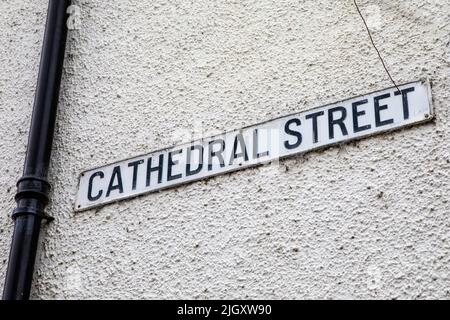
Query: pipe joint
{"points": [[32, 197]]}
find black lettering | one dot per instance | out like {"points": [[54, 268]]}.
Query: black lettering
{"points": [[135, 166], [291, 132], [171, 163], [200, 149], [91, 179], [116, 173], [217, 154], [151, 169], [314, 117], [243, 154], [256, 153], [378, 110], [404, 94], [340, 121], [357, 114]]}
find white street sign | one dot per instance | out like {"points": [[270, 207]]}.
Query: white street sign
{"points": [[261, 143]]}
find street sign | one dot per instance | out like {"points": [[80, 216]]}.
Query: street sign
{"points": [[320, 127]]}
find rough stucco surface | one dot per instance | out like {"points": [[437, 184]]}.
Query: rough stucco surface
{"points": [[368, 219]]}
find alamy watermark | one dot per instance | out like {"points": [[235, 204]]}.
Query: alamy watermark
{"points": [[74, 20]]}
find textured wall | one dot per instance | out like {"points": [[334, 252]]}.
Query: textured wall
{"points": [[365, 220]]}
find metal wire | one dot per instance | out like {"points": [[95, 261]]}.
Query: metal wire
{"points": [[373, 43]]}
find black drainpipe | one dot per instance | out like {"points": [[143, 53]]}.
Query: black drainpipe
{"points": [[33, 188]]}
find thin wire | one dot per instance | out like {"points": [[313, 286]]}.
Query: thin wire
{"points": [[373, 43]]}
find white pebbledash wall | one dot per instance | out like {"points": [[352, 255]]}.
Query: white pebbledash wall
{"points": [[369, 219]]}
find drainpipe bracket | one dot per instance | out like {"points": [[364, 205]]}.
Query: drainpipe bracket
{"points": [[31, 211]]}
